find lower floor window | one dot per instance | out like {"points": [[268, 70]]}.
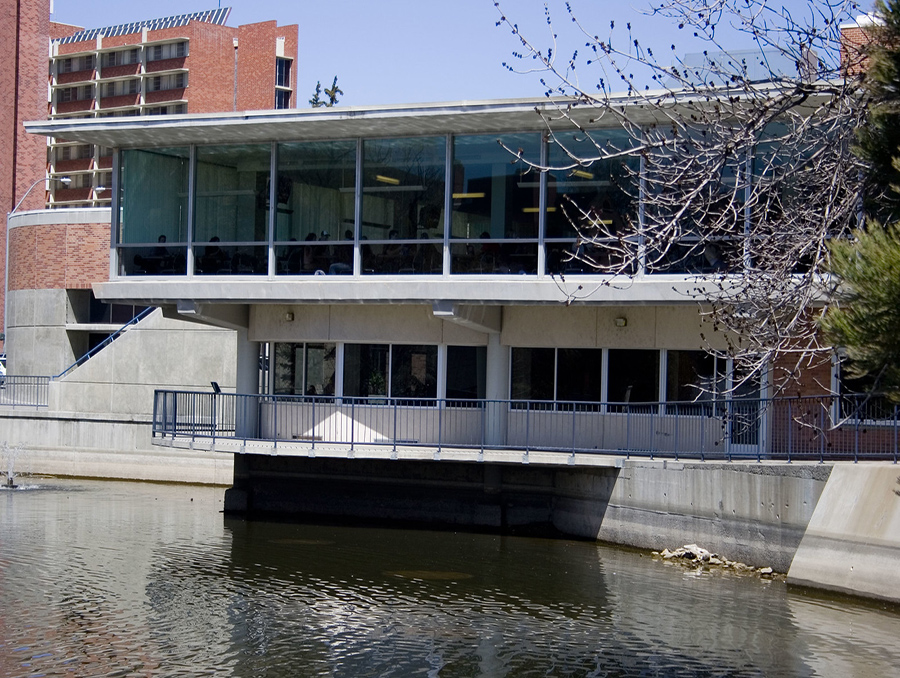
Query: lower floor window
{"points": [[304, 369]]}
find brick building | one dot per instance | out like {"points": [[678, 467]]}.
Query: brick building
{"points": [[184, 64], [191, 63], [24, 32]]}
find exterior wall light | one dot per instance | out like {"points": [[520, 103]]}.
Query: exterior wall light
{"points": [[289, 316], [621, 322]]}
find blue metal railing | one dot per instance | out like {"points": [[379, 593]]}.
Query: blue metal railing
{"points": [[106, 342], [24, 391], [792, 429]]}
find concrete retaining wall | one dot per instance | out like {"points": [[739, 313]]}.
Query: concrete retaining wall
{"points": [[104, 446], [852, 542]]}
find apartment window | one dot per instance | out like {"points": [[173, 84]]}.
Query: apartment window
{"points": [[75, 93], [304, 369], [165, 82], [172, 50], [282, 98], [66, 65], [120, 58], [79, 152], [120, 87], [282, 72]]}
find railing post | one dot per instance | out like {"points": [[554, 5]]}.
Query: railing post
{"points": [[259, 418], [352, 423], [484, 406], [312, 429], [574, 409], [677, 431], [395, 425], [440, 404], [790, 430], [895, 434], [856, 440]]}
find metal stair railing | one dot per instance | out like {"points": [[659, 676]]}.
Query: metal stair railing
{"points": [[106, 342]]}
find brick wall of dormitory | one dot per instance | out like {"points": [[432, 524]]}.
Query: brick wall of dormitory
{"points": [[24, 35]]}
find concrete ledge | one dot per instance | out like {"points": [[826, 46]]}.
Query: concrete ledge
{"points": [[852, 542]]}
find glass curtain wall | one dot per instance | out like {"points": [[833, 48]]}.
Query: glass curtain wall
{"points": [[589, 204], [402, 220], [153, 219], [496, 204], [232, 210], [383, 370], [304, 369], [315, 196]]}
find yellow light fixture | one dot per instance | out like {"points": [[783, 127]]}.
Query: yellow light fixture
{"points": [[581, 174], [387, 180], [463, 196], [535, 210]]}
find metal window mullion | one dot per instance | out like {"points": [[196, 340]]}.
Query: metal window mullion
{"points": [[663, 369], [642, 218], [748, 230], [604, 379], [116, 220], [448, 206], [273, 207], [357, 209], [192, 199], [542, 207]]}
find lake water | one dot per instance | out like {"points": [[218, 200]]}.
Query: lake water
{"points": [[129, 579]]}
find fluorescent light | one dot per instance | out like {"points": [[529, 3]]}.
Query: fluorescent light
{"points": [[534, 210], [387, 180], [582, 174], [461, 196]]}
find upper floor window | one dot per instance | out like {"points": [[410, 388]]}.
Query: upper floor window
{"points": [[164, 82], [120, 58], [75, 64], [282, 98], [172, 50], [120, 87], [282, 72], [75, 93]]}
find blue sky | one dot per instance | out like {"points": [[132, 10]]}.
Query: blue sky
{"points": [[403, 51]]}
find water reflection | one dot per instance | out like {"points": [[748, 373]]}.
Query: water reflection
{"points": [[150, 580]]}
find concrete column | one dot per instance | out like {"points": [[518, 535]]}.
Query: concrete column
{"points": [[496, 389], [246, 382]]}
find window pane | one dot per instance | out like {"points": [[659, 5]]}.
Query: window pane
{"points": [[315, 203], [633, 376], [413, 371], [494, 198], [466, 371], [579, 374], [319, 369], [154, 211], [531, 374], [365, 369], [232, 208], [403, 203], [691, 375], [599, 199], [288, 372]]}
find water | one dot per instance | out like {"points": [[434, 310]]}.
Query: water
{"points": [[127, 579]]}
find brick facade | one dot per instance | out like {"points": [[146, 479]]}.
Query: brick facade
{"points": [[24, 35], [58, 256]]}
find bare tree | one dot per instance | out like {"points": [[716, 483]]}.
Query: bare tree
{"points": [[738, 164]]}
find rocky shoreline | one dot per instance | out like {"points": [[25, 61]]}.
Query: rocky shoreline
{"points": [[696, 557]]}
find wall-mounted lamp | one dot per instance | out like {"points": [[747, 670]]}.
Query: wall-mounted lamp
{"points": [[289, 316], [621, 322]]}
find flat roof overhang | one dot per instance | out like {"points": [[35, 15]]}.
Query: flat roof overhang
{"points": [[467, 117]]}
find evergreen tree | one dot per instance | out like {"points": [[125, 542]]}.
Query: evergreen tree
{"points": [[865, 318], [879, 138]]}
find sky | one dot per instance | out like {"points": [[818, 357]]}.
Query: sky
{"points": [[404, 51]]}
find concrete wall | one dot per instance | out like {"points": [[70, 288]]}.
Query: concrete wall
{"points": [[852, 543], [155, 353], [103, 446], [753, 513]]}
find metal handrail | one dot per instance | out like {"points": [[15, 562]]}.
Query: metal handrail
{"points": [[24, 391], [106, 342], [816, 428]]}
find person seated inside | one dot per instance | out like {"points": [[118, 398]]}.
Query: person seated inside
{"points": [[213, 260]]}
